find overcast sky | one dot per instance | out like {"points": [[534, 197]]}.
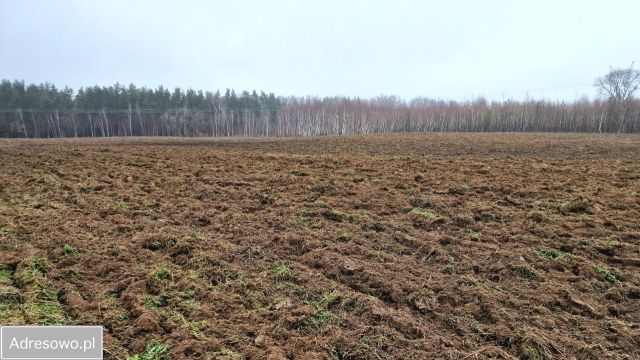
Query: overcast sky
{"points": [[441, 49]]}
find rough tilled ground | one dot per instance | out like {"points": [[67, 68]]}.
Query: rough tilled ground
{"points": [[456, 246]]}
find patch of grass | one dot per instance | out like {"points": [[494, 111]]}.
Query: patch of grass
{"points": [[155, 350], [303, 219], [424, 213], [10, 314], [321, 204], [337, 215], [112, 310], [109, 299], [549, 204], [5, 275], [194, 274], [9, 295], [281, 272], [47, 313], [10, 232], [608, 273], [253, 298], [326, 300], [161, 274], [525, 271], [490, 288], [193, 237], [322, 314], [553, 254], [122, 205], [190, 304], [174, 316], [474, 235], [322, 318], [70, 250], [42, 305], [159, 301], [224, 275], [196, 328], [253, 293], [34, 268], [188, 294], [121, 316]]}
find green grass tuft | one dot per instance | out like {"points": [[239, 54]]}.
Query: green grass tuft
{"points": [[525, 271], [490, 288], [322, 314], [193, 237], [608, 273], [70, 250], [161, 274], [553, 254], [324, 317], [157, 302], [42, 305], [337, 215], [33, 269], [224, 275], [327, 299], [474, 235], [155, 351], [424, 213], [5, 275], [196, 329], [281, 272]]}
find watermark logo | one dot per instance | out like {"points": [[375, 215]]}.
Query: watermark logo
{"points": [[50, 342]]}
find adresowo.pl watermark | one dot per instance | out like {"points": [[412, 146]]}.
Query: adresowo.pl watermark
{"points": [[50, 342]]}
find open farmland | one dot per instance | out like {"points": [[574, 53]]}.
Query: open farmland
{"points": [[456, 246]]}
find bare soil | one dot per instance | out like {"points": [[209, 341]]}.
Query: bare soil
{"points": [[457, 246]]}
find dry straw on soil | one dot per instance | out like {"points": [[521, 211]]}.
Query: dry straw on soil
{"points": [[368, 247]]}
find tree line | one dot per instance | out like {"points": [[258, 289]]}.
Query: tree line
{"points": [[44, 111]]}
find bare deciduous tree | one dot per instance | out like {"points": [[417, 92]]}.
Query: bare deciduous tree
{"points": [[619, 84]]}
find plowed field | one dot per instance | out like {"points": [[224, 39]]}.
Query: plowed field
{"points": [[456, 246]]}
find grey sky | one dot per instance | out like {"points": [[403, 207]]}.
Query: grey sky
{"points": [[441, 49]]}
